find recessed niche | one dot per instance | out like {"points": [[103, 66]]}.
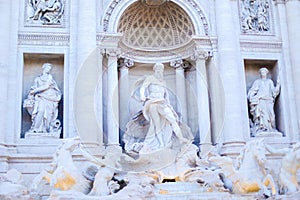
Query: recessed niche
{"points": [[252, 73], [32, 68]]}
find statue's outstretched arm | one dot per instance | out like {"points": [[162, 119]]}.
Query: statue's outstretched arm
{"points": [[277, 88]]}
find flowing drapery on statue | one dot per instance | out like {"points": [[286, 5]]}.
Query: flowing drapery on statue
{"points": [[42, 103], [262, 96], [156, 125]]}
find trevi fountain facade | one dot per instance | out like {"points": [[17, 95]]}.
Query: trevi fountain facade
{"points": [[149, 99]]}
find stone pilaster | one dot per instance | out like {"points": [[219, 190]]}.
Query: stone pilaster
{"points": [[69, 121], [112, 98], [236, 126], [87, 23], [287, 71], [293, 19], [203, 102], [83, 25], [4, 66], [89, 72], [180, 88]]}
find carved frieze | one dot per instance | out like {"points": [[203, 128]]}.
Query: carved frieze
{"points": [[261, 46], [255, 16], [49, 39], [44, 12]]}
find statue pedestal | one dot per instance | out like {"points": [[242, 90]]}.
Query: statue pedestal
{"points": [[276, 139], [269, 134], [32, 135]]}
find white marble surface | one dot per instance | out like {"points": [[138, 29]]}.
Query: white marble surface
{"points": [[217, 30]]}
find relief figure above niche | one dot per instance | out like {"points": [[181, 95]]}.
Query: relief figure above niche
{"points": [[44, 12], [255, 16]]}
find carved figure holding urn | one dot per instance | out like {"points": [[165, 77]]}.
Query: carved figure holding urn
{"points": [[42, 103], [261, 97]]}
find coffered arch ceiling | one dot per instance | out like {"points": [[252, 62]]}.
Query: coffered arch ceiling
{"points": [[163, 25], [155, 30]]}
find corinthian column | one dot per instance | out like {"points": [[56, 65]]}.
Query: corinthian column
{"points": [[180, 88], [231, 70], [203, 103], [112, 98]]}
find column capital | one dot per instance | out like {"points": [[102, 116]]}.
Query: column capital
{"points": [[180, 64], [112, 52], [176, 63], [201, 55], [125, 63], [279, 1]]}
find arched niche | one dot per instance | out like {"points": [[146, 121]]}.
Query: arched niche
{"points": [[116, 8], [146, 34]]}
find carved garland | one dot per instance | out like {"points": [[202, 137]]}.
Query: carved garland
{"points": [[113, 5]]}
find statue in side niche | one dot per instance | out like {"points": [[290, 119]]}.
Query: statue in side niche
{"points": [[156, 125], [42, 103], [261, 97]]}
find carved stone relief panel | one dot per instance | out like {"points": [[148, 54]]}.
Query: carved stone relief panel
{"points": [[42, 96], [44, 12], [255, 16]]}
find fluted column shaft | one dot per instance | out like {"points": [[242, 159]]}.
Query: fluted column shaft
{"points": [[124, 92], [181, 91], [180, 88], [112, 99], [203, 103]]}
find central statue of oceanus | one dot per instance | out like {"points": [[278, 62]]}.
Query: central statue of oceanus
{"points": [[156, 125]]}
